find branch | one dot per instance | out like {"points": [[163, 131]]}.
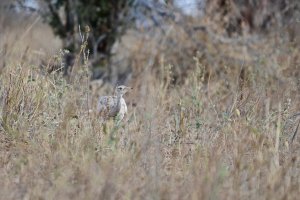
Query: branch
{"points": [[56, 22]]}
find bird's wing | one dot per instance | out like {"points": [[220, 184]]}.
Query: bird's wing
{"points": [[106, 103]]}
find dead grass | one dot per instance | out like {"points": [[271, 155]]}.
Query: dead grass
{"points": [[214, 136]]}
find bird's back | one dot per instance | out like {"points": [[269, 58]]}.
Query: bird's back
{"points": [[108, 106]]}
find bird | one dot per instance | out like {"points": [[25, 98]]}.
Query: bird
{"points": [[113, 106]]}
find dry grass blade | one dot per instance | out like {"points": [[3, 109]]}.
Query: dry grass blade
{"points": [[296, 131]]}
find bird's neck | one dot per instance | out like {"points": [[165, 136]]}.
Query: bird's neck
{"points": [[119, 97]]}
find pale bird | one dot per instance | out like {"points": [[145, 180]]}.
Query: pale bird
{"points": [[114, 106]]}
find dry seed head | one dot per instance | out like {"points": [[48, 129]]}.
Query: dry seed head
{"points": [[87, 29]]}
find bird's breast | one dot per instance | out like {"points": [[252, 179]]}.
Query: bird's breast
{"points": [[123, 106]]}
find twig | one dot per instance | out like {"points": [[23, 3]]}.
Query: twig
{"points": [[294, 135]]}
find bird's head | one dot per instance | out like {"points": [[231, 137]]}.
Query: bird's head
{"points": [[122, 89]]}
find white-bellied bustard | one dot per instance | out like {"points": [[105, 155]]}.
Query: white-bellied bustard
{"points": [[114, 106]]}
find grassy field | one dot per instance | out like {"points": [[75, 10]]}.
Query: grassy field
{"points": [[222, 133]]}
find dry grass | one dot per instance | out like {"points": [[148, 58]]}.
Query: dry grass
{"points": [[214, 136]]}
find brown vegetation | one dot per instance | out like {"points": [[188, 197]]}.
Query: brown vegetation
{"points": [[216, 124]]}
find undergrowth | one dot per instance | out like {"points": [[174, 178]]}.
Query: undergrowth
{"points": [[216, 135]]}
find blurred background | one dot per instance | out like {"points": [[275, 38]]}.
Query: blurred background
{"points": [[125, 38]]}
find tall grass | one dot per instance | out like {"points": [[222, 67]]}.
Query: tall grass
{"points": [[214, 136]]}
